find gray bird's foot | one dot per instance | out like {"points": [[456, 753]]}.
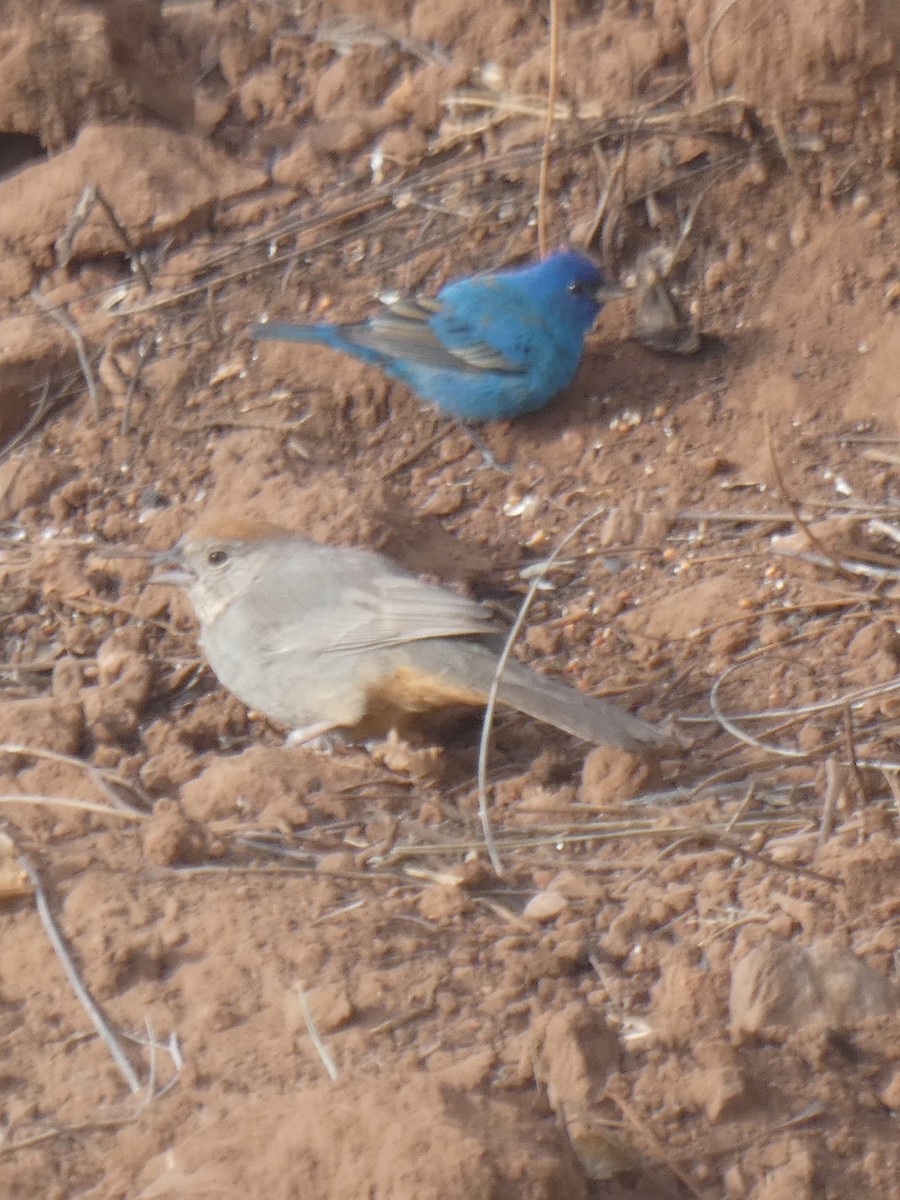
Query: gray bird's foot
{"points": [[321, 738]]}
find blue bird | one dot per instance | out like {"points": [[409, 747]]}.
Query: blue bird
{"points": [[486, 348]]}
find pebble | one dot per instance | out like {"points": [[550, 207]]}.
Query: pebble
{"points": [[545, 906]]}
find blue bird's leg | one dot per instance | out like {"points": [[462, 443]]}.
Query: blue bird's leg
{"points": [[482, 446]]}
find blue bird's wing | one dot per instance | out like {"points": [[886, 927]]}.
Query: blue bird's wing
{"points": [[428, 333], [496, 319]]}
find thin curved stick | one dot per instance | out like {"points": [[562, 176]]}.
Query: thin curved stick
{"points": [[729, 724], [858, 696], [552, 88], [487, 724], [97, 775], [129, 814], [97, 1018]]}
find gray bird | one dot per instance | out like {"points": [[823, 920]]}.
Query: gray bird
{"points": [[325, 638]]}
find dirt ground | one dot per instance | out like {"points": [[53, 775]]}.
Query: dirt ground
{"points": [[685, 982]]}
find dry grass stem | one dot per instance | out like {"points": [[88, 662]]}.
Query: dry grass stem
{"points": [[552, 88], [65, 321], [484, 742], [795, 508], [97, 775], [321, 1049], [97, 1019], [129, 814]]}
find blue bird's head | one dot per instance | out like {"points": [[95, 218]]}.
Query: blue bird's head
{"points": [[576, 285]]}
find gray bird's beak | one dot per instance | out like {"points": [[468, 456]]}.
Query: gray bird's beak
{"points": [[174, 572], [179, 578]]}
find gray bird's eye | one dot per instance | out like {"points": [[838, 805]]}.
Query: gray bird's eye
{"points": [[217, 557]]}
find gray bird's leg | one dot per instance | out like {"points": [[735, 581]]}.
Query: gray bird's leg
{"points": [[316, 737]]}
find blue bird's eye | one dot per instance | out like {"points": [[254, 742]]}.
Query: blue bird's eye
{"points": [[579, 289]]}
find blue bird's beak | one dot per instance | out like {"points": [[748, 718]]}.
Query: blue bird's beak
{"points": [[609, 290]]}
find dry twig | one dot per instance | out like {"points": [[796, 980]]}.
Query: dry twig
{"points": [[795, 508], [315, 1037], [87, 1002], [65, 321], [498, 675], [552, 88]]}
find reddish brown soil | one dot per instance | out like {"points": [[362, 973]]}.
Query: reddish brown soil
{"points": [[684, 984]]}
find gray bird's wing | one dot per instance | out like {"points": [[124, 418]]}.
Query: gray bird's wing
{"points": [[354, 608], [401, 609]]}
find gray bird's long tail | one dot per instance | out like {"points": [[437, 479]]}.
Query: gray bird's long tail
{"points": [[474, 663], [590, 718]]}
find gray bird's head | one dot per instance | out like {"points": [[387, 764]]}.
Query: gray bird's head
{"points": [[218, 560]]}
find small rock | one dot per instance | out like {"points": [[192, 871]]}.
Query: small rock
{"points": [[545, 906], [890, 1093], [240, 53], [734, 252], [798, 235], [122, 665], [262, 94], [729, 640], [329, 1006], [471, 1073], [443, 901], [791, 1180], [395, 753], [777, 983], [717, 274], [574, 1052], [338, 862], [544, 639], [345, 135], [601, 1155], [404, 146], [14, 880], [298, 168], [444, 501], [577, 885], [45, 724], [610, 777], [353, 81], [714, 464], [24, 482], [714, 1089], [170, 837], [66, 682]]}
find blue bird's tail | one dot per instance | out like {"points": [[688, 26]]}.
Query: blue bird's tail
{"points": [[348, 338], [283, 332]]}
